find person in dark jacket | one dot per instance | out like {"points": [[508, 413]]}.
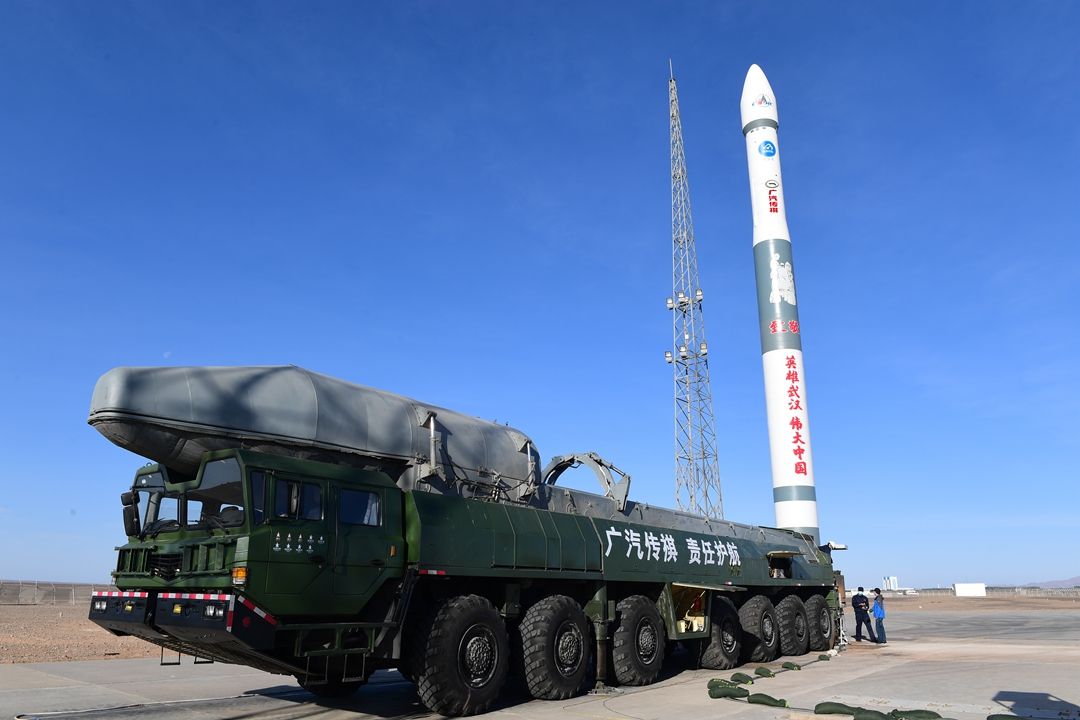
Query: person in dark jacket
{"points": [[862, 615], [879, 615]]}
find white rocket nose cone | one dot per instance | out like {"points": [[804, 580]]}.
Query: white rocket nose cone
{"points": [[758, 101]]}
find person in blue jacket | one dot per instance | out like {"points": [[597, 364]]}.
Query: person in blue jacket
{"points": [[879, 616]]}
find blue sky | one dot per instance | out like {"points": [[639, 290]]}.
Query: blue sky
{"points": [[468, 203]]}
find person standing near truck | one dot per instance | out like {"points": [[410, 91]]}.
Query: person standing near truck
{"points": [[879, 615], [861, 605]]}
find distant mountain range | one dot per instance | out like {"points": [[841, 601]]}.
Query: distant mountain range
{"points": [[1071, 582]]}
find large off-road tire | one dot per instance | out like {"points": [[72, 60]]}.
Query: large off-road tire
{"points": [[331, 688], [794, 628], [821, 622], [761, 635], [555, 649], [466, 656], [638, 641], [725, 639]]}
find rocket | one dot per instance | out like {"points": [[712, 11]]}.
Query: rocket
{"points": [[794, 496]]}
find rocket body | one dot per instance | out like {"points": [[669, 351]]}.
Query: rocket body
{"points": [[794, 495]]}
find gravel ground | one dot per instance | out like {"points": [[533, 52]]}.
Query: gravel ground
{"points": [[49, 633]]}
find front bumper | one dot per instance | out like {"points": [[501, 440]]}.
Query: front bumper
{"points": [[200, 618], [125, 613], [220, 626]]}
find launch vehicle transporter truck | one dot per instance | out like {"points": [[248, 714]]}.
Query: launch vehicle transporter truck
{"points": [[305, 526]]}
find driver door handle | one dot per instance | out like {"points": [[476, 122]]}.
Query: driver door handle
{"points": [[378, 562]]}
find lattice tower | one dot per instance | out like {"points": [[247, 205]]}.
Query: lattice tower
{"points": [[697, 477]]}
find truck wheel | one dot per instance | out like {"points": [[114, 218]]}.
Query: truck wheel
{"points": [[820, 623], [556, 651], [638, 641], [794, 630], [761, 637], [466, 656], [331, 688], [725, 640]]}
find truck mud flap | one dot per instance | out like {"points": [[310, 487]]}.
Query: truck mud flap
{"points": [[125, 613]]}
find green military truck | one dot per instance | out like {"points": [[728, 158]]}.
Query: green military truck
{"points": [[307, 526]]}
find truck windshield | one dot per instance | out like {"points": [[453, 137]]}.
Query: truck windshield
{"points": [[218, 502], [158, 508]]}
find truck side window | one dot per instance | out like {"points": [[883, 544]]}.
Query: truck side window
{"points": [[194, 510], [359, 507], [218, 501], [258, 497], [297, 500], [159, 506], [310, 502]]}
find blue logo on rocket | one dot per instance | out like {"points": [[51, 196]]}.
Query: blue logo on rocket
{"points": [[767, 148]]}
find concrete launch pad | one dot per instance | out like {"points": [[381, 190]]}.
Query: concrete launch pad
{"points": [[964, 665]]}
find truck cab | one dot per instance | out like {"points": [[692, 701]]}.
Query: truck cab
{"points": [[280, 540]]}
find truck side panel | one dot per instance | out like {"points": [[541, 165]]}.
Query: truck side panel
{"points": [[467, 537]]}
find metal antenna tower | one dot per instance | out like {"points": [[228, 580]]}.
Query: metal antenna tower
{"points": [[697, 477]]}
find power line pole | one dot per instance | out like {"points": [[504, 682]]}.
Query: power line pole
{"points": [[697, 477]]}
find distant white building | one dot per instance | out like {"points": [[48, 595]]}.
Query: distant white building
{"points": [[890, 583]]}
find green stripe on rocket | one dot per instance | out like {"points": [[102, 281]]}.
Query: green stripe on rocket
{"points": [[777, 311]]}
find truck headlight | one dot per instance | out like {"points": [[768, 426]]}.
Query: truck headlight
{"points": [[213, 612], [101, 605]]}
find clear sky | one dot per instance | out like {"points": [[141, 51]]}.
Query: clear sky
{"points": [[469, 203]]}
